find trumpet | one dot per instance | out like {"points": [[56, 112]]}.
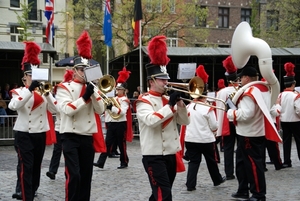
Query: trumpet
{"points": [[104, 85], [194, 88], [45, 87]]}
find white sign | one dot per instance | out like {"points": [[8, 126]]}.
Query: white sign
{"points": [[40, 74], [186, 71], [93, 73]]}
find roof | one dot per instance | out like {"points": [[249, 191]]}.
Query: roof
{"points": [[17, 46], [211, 51]]}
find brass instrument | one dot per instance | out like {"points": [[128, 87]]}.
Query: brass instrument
{"points": [[234, 92], [105, 85], [45, 87], [195, 89]]}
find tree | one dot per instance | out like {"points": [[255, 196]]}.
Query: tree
{"points": [[23, 20], [281, 23], [160, 17]]}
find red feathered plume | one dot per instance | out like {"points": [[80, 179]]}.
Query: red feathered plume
{"points": [[157, 49], [289, 69], [68, 76], [123, 75], [31, 53], [84, 45], [200, 72], [221, 84], [229, 65]]}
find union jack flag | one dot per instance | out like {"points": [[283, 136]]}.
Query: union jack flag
{"points": [[49, 14]]}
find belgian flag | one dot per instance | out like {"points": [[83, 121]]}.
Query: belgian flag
{"points": [[138, 16]]}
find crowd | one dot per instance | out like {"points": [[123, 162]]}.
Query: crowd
{"points": [[170, 129]]}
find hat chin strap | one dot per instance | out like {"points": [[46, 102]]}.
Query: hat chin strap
{"points": [[162, 88], [83, 77]]}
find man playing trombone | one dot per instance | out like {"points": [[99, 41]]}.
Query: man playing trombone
{"points": [[79, 104]]}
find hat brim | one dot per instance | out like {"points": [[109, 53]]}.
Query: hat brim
{"points": [[164, 77]]}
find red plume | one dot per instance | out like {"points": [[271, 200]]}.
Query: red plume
{"points": [[31, 53], [84, 45], [123, 75], [289, 69], [68, 76], [200, 72], [229, 65], [221, 84], [157, 49]]}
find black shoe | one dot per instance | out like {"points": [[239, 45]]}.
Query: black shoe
{"points": [[279, 168], [17, 195], [222, 181], [255, 199], [266, 169], [270, 163], [113, 156], [117, 153], [51, 175], [35, 194], [98, 165], [230, 177], [186, 158], [240, 195], [286, 165], [122, 166], [191, 189]]}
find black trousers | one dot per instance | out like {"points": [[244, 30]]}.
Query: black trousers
{"points": [[290, 129], [195, 152], [31, 149], [115, 131], [249, 166], [161, 172], [79, 154], [228, 146], [56, 154], [18, 185], [273, 152]]}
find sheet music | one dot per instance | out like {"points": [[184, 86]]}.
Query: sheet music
{"points": [[186, 71]]}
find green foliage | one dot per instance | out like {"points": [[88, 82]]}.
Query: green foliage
{"points": [[23, 20]]}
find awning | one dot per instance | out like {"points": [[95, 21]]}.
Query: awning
{"points": [[17, 46]]}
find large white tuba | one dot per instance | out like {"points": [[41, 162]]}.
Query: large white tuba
{"points": [[244, 45]]}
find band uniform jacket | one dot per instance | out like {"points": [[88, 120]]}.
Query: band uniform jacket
{"points": [[158, 124], [290, 106], [32, 108], [78, 116], [223, 123]]}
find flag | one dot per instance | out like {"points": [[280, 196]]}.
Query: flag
{"points": [[49, 14], [107, 26], [138, 15]]}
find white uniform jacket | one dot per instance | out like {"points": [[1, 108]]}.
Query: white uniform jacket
{"points": [[77, 116], [203, 124], [223, 123], [124, 104], [290, 106], [32, 110], [158, 124]]}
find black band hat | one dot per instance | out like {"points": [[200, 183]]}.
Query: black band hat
{"points": [[31, 57], [289, 78]]}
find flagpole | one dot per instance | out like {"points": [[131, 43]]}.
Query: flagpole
{"points": [[107, 60], [140, 56]]}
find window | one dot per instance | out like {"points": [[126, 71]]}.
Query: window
{"points": [[272, 20], [223, 17], [15, 3], [15, 34], [172, 38], [200, 19], [157, 6], [172, 6], [33, 12], [246, 15]]}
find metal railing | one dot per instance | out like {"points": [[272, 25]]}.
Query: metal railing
{"points": [[7, 132]]}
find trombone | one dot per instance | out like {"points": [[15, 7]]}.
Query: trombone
{"points": [[195, 89], [106, 84]]}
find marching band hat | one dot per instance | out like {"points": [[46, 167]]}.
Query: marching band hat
{"points": [[157, 49], [248, 71], [84, 47], [289, 78], [231, 70], [31, 57], [123, 77], [200, 72]]}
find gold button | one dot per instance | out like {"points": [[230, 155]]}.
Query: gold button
{"points": [[176, 138], [41, 114], [154, 104], [163, 140], [28, 107], [72, 90], [89, 121], [29, 113], [29, 128], [41, 121], [29, 121], [73, 128]]}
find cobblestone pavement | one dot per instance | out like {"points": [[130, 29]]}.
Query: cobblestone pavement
{"points": [[131, 184]]}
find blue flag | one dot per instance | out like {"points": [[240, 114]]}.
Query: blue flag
{"points": [[107, 26]]}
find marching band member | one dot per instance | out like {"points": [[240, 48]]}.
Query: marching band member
{"points": [[31, 124], [200, 137], [158, 115], [227, 128], [289, 116], [79, 107], [253, 124], [118, 129]]}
